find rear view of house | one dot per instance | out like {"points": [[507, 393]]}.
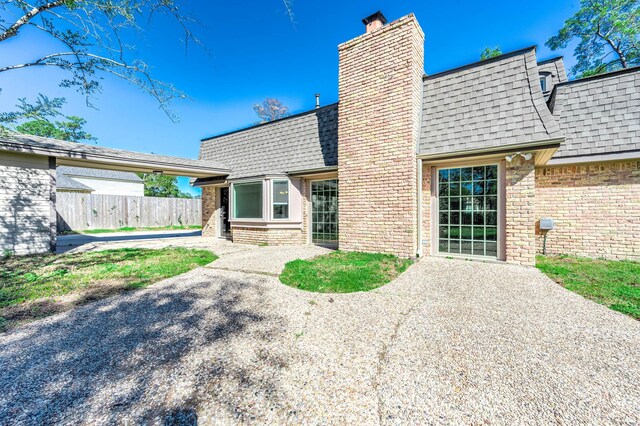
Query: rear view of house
{"points": [[462, 163]]}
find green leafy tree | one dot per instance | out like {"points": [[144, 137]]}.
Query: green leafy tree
{"points": [[608, 33], [38, 119], [70, 130], [94, 39], [156, 185], [489, 53]]}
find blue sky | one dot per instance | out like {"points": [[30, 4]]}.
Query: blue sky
{"points": [[253, 51]]}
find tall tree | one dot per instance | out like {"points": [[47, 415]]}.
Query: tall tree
{"points": [[489, 53], [156, 185], [92, 38], [609, 36], [270, 109], [39, 119]]}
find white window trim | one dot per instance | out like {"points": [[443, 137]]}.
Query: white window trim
{"points": [[232, 200], [500, 225], [288, 203]]}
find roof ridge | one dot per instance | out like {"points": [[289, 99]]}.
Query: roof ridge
{"points": [[600, 76], [480, 62], [547, 61], [300, 114]]}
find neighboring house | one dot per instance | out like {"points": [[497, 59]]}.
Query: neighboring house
{"points": [[461, 163], [98, 181]]}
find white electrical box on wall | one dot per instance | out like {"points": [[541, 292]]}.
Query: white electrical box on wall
{"points": [[546, 224]]}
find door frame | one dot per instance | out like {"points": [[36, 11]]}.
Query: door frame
{"points": [[310, 213], [219, 220], [501, 219]]}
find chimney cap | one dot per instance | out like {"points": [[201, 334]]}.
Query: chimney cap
{"points": [[378, 16]]}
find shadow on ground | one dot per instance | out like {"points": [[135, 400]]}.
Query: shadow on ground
{"points": [[142, 357]]}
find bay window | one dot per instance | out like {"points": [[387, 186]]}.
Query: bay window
{"points": [[280, 199], [247, 200]]}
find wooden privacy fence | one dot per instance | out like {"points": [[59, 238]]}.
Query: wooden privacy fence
{"points": [[77, 212]]}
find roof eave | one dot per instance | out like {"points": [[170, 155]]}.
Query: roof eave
{"points": [[314, 171], [544, 150], [111, 162]]}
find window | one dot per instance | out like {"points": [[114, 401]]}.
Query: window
{"points": [[543, 82], [468, 211], [324, 212], [247, 200], [280, 196]]}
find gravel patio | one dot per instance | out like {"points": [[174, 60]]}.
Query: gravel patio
{"points": [[448, 342]]}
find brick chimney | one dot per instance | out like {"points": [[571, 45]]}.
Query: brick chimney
{"points": [[375, 21], [380, 99]]}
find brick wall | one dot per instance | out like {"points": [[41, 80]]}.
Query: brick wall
{"points": [[268, 236], [595, 207], [380, 94], [426, 210], [209, 221], [519, 191]]}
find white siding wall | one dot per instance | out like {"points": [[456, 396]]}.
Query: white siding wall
{"points": [[111, 187], [25, 203]]}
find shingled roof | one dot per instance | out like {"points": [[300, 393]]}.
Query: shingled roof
{"points": [[84, 155], [98, 173], [598, 115], [304, 141], [488, 104], [65, 182], [556, 72]]}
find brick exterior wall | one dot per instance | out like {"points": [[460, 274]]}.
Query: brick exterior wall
{"points": [[595, 207], [426, 210], [209, 221], [267, 236], [380, 94], [519, 191]]}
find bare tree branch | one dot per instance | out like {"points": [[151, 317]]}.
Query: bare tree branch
{"points": [[13, 29]]}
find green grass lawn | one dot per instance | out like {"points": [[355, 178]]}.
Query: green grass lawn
{"points": [[36, 286], [615, 284], [131, 229], [343, 272]]}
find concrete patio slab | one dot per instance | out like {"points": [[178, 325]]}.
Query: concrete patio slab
{"points": [[449, 341]]}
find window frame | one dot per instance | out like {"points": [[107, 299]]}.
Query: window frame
{"points": [[500, 210], [544, 77], [235, 200], [273, 203]]}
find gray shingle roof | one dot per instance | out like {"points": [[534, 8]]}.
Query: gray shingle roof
{"points": [[554, 68], [300, 142], [65, 182], [98, 173], [599, 115], [98, 154], [488, 104]]}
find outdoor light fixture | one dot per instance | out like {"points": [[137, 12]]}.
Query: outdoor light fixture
{"points": [[526, 156], [159, 172]]}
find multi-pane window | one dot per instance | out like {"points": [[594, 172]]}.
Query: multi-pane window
{"points": [[324, 212], [280, 199], [468, 211], [247, 200]]}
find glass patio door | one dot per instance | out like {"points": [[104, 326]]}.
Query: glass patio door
{"points": [[468, 211], [324, 212]]}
